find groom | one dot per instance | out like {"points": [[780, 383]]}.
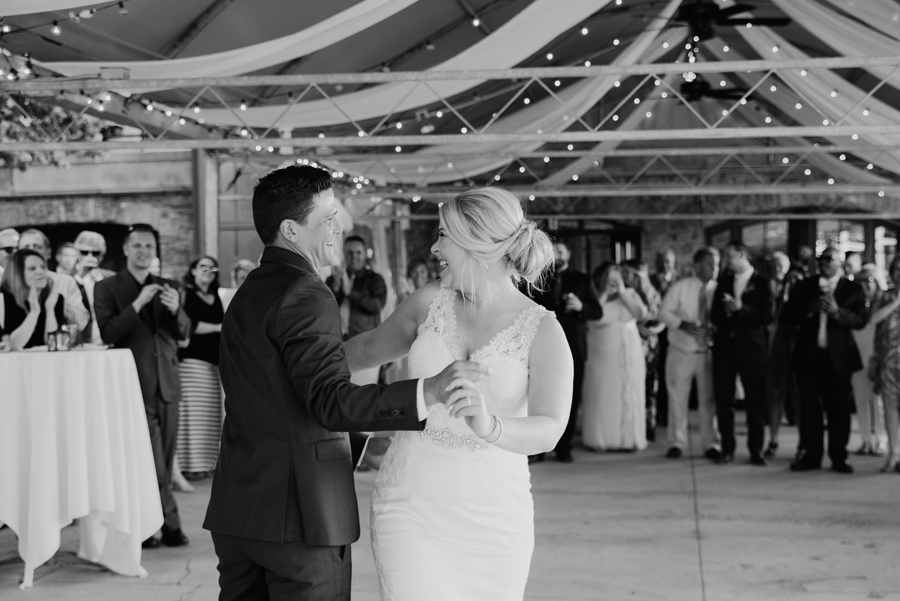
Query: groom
{"points": [[283, 509]]}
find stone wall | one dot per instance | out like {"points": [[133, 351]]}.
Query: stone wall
{"points": [[172, 214], [107, 196]]}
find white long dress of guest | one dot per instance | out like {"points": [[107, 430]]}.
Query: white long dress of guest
{"points": [[452, 516], [613, 404]]}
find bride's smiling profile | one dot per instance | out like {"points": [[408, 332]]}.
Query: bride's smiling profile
{"points": [[452, 513]]}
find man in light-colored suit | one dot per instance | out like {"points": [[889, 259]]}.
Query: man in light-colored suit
{"points": [[685, 311]]}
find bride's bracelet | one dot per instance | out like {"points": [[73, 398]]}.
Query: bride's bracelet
{"points": [[497, 433]]}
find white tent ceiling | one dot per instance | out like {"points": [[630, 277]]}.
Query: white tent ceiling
{"points": [[565, 98]]}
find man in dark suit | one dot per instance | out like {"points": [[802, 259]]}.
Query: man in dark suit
{"points": [[825, 309], [141, 312], [568, 294], [361, 294], [283, 509], [662, 280], [742, 309]]}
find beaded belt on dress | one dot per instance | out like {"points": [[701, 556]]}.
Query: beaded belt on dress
{"points": [[446, 437]]}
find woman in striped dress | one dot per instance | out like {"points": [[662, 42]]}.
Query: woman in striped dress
{"points": [[200, 414]]}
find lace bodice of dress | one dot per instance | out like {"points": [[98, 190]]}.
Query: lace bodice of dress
{"points": [[505, 390]]}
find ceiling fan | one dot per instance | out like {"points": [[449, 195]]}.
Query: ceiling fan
{"points": [[702, 15], [699, 88]]}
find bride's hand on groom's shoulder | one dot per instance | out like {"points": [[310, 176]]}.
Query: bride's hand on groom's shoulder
{"points": [[455, 382]]}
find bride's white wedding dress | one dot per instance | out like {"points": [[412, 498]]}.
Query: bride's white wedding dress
{"points": [[452, 516]]}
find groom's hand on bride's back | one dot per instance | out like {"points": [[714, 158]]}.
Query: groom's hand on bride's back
{"points": [[456, 381]]}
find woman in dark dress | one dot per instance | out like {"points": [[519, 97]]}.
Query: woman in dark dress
{"points": [[31, 307], [200, 414]]}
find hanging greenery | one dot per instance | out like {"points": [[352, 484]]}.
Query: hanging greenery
{"points": [[22, 119]]}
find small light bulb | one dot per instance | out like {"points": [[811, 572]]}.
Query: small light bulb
{"points": [[476, 22], [584, 31], [55, 29], [549, 56]]}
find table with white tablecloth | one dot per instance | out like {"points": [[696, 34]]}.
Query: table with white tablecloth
{"points": [[74, 444]]}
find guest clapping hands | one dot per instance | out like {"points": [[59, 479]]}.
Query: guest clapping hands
{"points": [[32, 307]]}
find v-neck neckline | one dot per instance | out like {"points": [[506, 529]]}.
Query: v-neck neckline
{"points": [[451, 329]]}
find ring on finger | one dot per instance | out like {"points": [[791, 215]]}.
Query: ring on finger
{"points": [[468, 402]]}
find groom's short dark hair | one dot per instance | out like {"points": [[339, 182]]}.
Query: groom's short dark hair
{"points": [[286, 194]]}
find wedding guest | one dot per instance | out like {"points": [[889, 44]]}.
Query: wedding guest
{"points": [[662, 280], [635, 275], [200, 411], [804, 260], [76, 313], [742, 309], [613, 396], [779, 375], [66, 257], [361, 294], [91, 247], [685, 311], [852, 264], [825, 309], [239, 272], [417, 275], [567, 292], [9, 243], [869, 407], [884, 368], [31, 306], [142, 312]]}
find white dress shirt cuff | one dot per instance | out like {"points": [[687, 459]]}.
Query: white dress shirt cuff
{"points": [[421, 409]]}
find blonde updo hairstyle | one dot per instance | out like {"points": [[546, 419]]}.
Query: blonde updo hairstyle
{"points": [[490, 225]]}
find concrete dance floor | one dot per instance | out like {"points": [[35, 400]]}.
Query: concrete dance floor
{"points": [[612, 527]]}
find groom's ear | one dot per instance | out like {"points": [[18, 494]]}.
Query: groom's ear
{"points": [[289, 229]]}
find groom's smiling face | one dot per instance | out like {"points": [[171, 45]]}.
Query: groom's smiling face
{"points": [[318, 234]]}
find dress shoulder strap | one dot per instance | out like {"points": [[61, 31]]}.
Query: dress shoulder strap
{"points": [[515, 341], [529, 324], [440, 312]]}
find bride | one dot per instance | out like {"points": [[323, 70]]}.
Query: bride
{"points": [[452, 514]]}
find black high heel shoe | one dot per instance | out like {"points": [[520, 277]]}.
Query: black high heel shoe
{"points": [[771, 449]]}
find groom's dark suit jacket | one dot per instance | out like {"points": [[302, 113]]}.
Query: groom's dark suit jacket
{"points": [[284, 470]]}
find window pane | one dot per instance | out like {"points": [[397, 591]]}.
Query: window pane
{"points": [[721, 239], [885, 245], [754, 238], [828, 233], [776, 236]]}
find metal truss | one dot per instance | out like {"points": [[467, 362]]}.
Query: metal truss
{"points": [[712, 158]]}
